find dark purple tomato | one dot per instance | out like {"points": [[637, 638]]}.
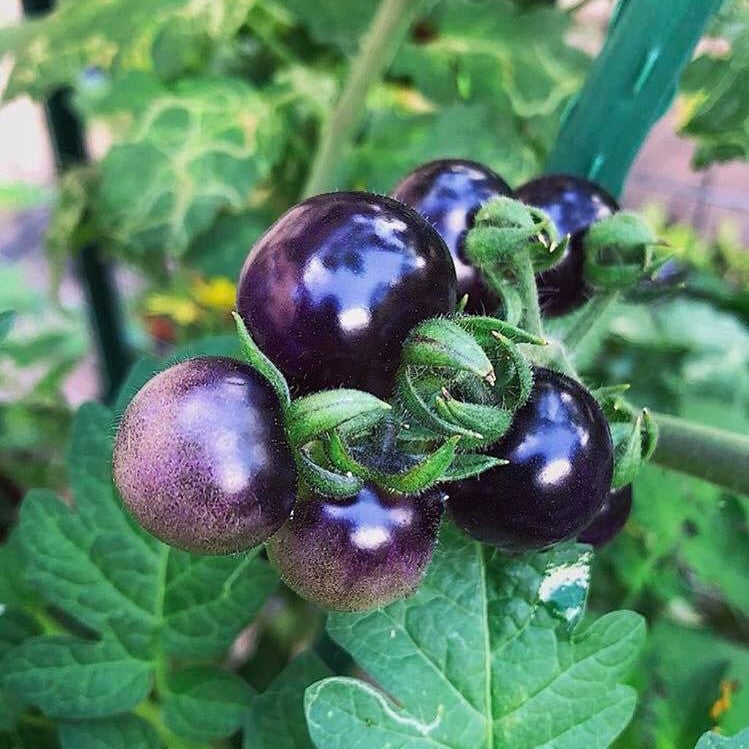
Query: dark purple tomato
{"points": [[610, 519], [561, 460], [573, 204], [201, 458], [357, 553], [333, 288], [448, 193]]}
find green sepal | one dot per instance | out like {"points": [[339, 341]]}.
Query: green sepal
{"points": [[419, 477], [443, 343], [627, 456], [618, 252], [260, 362], [649, 434], [470, 465], [313, 415], [484, 329], [324, 481], [420, 411], [491, 420]]}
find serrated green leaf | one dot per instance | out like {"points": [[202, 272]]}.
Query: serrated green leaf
{"points": [[312, 416], [118, 732], [487, 50], [712, 740], [476, 658], [205, 703], [56, 49], [144, 598], [276, 717], [195, 150], [74, 678]]}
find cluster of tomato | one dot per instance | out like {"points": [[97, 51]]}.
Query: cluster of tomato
{"points": [[329, 294]]}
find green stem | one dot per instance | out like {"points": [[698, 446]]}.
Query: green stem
{"points": [[375, 54], [715, 455], [590, 315], [526, 280], [630, 86]]}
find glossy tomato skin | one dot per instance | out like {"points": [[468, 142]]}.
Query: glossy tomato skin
{"points": [[449, 193], [610, 519], [201, 458], [333, 288], [561, 461], [573, 204], [357, 553]]}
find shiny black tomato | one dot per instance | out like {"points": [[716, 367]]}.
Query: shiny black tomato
{"points": [[573, 204], [333, 288], [201, 460], [449, 193], [610, 519], [561, 460], [357, 553]]}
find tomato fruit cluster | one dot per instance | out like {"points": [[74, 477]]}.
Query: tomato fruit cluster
{"points": [[329, 295]]}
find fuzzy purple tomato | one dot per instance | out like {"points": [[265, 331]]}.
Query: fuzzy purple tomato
{"points": [[332, 289], [357, 553], [201, 458], [449, 193], [560, 463], [610, 519], [573, 204]]}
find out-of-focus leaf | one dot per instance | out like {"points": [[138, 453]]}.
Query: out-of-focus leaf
{"points": [[712, 740], [118, 732], [195, 150], [330, 22]]}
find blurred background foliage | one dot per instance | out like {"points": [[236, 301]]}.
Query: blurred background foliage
{"points": [[210, 111]]}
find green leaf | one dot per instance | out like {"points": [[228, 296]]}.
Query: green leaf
{"points": [[492, 50], [328, 21], [73, 678], [144, 598], [195, 150], [205, 703], [119, 732], [712, 740], [716, 113], [15, 627], [314, 415], [56, 49], [481, 656], [276, 717], [223, 247], [467, 466]]}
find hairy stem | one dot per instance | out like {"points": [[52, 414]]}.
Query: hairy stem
{"points": [[526, 280], [376, 52], [715, 455], [588, 318]]}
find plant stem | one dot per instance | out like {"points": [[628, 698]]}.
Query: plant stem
{"points": [[630, 86], [715, 455], [526, 280], [376, 52], [588, 318]]}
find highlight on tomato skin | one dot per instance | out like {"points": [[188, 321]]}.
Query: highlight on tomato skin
{"points": [[201, 459], [610, 519], [573, 204], [330, 292], [357, 553], [449, 193], [560, 464]]}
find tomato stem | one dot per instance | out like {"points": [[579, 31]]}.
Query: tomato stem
{"points": [[378, 46], [715, 455], [526, 280]]}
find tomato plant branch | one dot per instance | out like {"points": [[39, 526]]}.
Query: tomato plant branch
{"points": [[376, 52], [526, 280], [716, 455], [590, 316]]}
